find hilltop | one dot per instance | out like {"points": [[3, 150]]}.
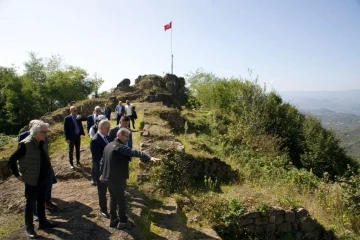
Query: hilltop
{"points": [[221, 175]]}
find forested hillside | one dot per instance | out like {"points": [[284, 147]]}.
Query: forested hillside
{"points": [[45, 85]]}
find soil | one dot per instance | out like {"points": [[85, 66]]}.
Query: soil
{"points": [[78, 214]]}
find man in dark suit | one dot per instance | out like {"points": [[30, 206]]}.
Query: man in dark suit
{"points": [[97, 145], [73, 129], [124, 123], [91, 119], [115, 172]]}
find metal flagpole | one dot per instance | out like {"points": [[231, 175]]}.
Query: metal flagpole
{"points": [[172, 56]]}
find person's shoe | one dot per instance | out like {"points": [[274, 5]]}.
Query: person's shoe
{"points": [[93, 183], [105, 214], [78, 164], [114, 223], [71, 166], [30, 232], [46, 225], [50, 206], [128, 225], [36, 218]]}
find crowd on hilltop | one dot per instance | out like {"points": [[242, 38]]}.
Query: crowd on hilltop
{"points": [[111, 150]]}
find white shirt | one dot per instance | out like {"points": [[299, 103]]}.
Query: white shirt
{"points": [[128, 109]]}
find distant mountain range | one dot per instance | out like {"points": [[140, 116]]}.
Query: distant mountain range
{"points": [[337, 110], [337, 101]]}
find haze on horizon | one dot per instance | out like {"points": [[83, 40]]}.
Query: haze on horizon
{"points": [[291, 45]]}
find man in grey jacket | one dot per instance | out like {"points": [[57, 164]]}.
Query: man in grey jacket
{"points": [[34, 165], [114, 168]]}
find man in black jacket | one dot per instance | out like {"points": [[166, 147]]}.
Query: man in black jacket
{"points": [[115, 171], [91, 119], [123, 123], [97, 145], [73, 129], [34, 164]]}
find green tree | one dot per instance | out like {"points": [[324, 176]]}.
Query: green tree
{"points": [[97, 81], [46, 85]]}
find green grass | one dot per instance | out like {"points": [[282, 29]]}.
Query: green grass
{"points": [[14, 222]]}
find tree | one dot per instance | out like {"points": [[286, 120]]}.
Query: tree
{"points": [[46, 85], [97, 82]]}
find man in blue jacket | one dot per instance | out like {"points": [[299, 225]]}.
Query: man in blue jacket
{"points": [[73, 129]]}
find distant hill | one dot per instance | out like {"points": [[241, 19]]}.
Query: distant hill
{"points": [[346, 126], [351, 141], [338, 101], [334, 120]]}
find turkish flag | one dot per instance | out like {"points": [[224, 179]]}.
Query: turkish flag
{"points": [[167, 26]]}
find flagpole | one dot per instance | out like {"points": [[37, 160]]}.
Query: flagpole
{"points": [[172, 56]]}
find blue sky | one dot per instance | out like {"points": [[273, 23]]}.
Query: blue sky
{"points": [[291, 45]]}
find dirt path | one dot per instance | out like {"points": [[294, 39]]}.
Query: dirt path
{"points": [[78, 216]]}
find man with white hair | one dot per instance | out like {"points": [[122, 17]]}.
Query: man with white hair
{"points": [[34, 163], [91, 119], [97, 145], [50, 178], [94, 128], [23, 135]]}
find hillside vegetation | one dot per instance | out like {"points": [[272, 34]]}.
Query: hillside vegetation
{"points": [[232, 150]]}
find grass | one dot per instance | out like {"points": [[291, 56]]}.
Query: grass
{"points": [[13, 223]]}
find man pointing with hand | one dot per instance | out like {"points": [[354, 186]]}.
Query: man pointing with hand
{"points": [[115, 172]]}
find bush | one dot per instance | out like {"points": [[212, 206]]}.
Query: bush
{"points": [[244, 114]]}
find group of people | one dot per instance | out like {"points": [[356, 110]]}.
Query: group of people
{"points": [[111, 151], [128, 110]]}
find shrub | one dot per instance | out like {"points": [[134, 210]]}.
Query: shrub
{"points": [[245, 114]]}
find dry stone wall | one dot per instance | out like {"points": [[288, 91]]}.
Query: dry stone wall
{"points": [[280, 221]]}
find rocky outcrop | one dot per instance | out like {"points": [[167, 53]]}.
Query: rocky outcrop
{"points": [[170, 89], [124, 84]]}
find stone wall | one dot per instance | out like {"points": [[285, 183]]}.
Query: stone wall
{"points": [[279, 221]]}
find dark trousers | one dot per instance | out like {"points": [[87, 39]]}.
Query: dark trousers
{"points": [[117, 200], [48, 189], [49, 182], [75, 142], [118, 119], [102, 188], [132, 119], [34, 195]]}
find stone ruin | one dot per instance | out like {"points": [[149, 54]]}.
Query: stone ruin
{"points": [[170, 89], [280, 221]]}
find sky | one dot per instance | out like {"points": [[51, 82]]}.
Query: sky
{"points": [[303, 45]]}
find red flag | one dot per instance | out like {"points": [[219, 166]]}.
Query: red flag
{"points": [[167, 26]]}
